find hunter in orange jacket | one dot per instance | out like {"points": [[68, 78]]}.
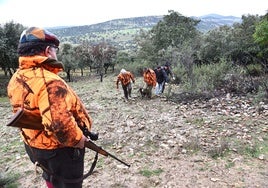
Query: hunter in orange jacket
{"points": [[125, 78], [149, 79], [36, 87]]}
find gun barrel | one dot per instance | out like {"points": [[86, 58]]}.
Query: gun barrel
{"points": [[118, 160], [89, 144]]}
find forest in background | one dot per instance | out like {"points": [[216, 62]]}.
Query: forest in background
{"points": [[228, 58]]}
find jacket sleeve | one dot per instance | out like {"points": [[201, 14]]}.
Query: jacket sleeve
{"points": [[118, 80], [59, 116], [154, 78], [165, 75]]}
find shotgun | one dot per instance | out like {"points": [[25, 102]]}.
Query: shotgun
{"points": [[27, 120]]}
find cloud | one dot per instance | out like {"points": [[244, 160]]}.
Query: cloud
{"points": [[84, 12]]}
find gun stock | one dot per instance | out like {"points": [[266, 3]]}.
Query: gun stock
{"points": [[24, 119], [89, 144]]}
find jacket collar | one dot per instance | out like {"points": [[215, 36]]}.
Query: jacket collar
{"points": [[40, 61]]}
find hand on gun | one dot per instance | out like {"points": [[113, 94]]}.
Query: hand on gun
{"points": [[81, 143]]}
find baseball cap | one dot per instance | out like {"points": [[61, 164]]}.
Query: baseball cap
{"points": [[38, 35]]}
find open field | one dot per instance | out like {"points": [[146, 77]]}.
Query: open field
{"points": [[216, 143]]}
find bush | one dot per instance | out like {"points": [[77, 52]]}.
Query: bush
{"points": [[204, 78], [3, 85], [135, 67], [254, 70]]}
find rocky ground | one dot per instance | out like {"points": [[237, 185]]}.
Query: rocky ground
{"points": [[213, 142]]}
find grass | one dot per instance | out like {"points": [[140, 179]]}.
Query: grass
{"points": [[199, 121], [4, 99], [254, 150], [229, 164], [219, 151], [193, 145], [8, 180], [148, 173]]}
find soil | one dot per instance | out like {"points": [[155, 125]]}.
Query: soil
{"points": [[213, 142]]}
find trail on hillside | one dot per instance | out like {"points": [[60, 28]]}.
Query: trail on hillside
{"points": [[168, 144]]}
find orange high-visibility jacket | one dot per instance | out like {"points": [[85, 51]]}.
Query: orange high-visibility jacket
{"points": [[149, 77], [37, 88], [124, 78]]}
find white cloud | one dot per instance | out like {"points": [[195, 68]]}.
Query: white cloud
{"points": [[83, 12]]}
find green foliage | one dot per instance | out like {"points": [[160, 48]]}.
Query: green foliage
{"points": [[9, 37], [261, 33], [135, 69], [3, 85], [4, 99], [261, 95], [173, 32], [211, 76], [123, 58], [230, 164], [216, 44], [8, 180], [242, 49], [205, 78], [234, 43], [148, 173], [126, 61], [261, 37], [255, 149], [100, 57], [254, 70]]}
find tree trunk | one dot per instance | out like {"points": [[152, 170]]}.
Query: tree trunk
{"points": [[69, 75]]}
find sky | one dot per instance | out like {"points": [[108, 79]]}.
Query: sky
{"points": [[51, 13]]}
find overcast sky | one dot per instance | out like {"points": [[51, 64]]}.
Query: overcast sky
{"points": [[47, 13]]}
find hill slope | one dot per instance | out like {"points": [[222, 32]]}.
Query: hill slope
{"points": [[192, 144], [121, 32]]}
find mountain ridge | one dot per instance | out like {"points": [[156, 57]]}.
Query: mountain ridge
{"points": [[157, 18], [121, 32]]}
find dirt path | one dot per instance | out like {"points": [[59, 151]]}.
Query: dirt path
{"points": [[199, 144]]}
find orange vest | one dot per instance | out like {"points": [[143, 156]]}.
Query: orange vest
{"points": [[124, 78], [38, 88], [149, 77]]}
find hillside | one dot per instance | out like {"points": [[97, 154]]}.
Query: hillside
{"points": [[221, 142], [211, 21], [121, 32]]}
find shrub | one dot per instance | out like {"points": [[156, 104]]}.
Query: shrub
{"points": [[204, 78], [254, 70]]}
